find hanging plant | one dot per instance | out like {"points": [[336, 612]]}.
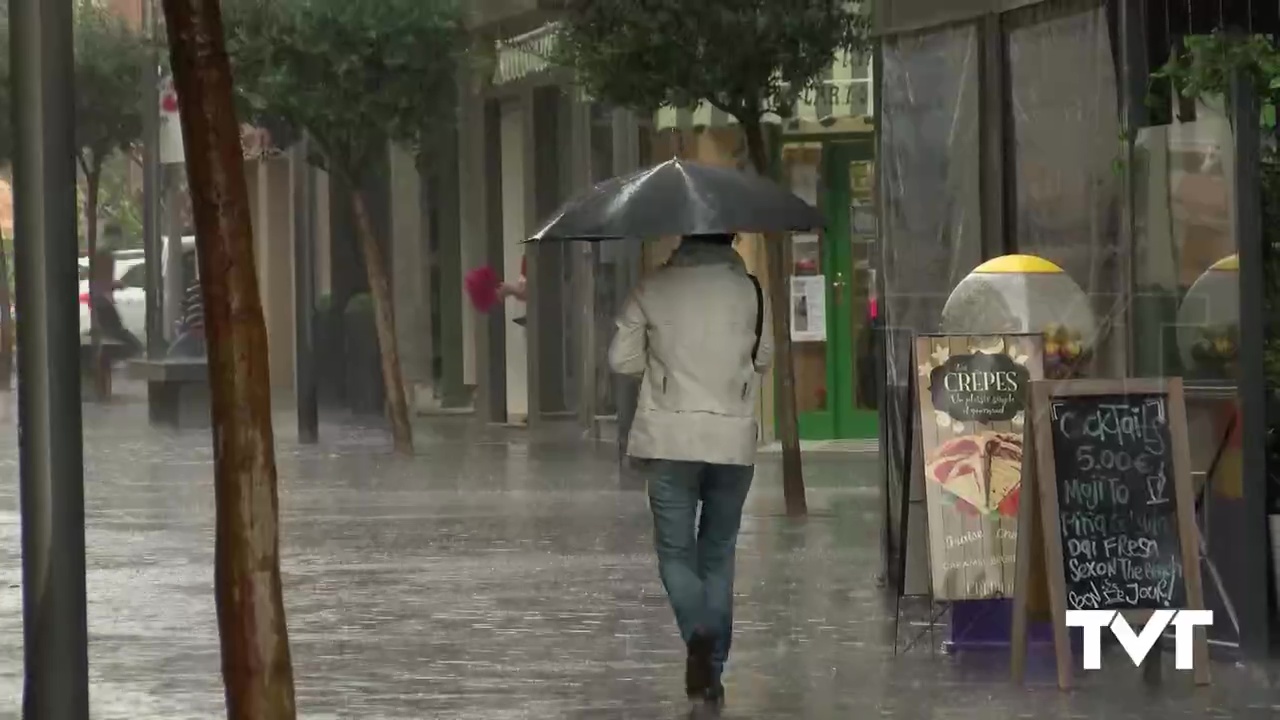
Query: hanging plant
{"points": [[1204, 67]]}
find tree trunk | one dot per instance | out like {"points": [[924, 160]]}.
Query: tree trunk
{"points": [[6, 322], [783, 367], [92, 181], [384, 320], [256, 667]]}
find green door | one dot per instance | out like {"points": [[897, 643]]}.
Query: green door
{"points": [[830, 292]]}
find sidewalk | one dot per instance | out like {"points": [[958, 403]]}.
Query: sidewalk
{"points": [[508, 574]]}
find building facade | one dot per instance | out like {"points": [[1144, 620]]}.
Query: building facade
{"points": [[825, 149], [528, 141]]}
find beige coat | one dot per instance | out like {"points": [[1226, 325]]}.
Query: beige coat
{"points": [[688, 330]]}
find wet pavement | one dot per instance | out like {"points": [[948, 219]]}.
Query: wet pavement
{"points": [[503, 575]]}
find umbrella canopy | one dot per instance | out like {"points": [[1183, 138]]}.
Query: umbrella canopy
{"points": [[680, 197]]}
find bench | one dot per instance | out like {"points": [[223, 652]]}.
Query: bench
{"points": [[177, 390]]}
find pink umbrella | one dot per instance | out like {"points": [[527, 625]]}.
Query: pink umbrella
{"points": [[482, 287]]}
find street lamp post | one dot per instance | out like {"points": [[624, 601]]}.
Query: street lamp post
{"points": [[1255, 638], [151, 239], [304, 287], [51, 466]]}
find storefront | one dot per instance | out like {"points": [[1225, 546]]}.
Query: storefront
{"points": [[527, 141], [1026, 126], [827, 158]]}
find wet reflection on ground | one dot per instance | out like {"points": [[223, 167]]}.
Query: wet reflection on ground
{"points": [[497, 575]]}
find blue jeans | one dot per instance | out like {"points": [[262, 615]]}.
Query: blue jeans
{"points": [[696, 554]]}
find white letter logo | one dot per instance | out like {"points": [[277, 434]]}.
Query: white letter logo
{"points": [[1138, 645]]}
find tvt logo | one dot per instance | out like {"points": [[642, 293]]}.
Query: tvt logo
{"points": [[1139, 645]]}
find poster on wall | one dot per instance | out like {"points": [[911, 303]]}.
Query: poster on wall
{"points": [[808, 308], [972, 392]]}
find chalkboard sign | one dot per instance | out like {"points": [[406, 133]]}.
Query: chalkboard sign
{"points": [[1107, 519], [1117, 505]]}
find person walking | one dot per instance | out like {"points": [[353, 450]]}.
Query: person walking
{"points": [[692, 332], [518, 289], [102, 288], [190, 340]]}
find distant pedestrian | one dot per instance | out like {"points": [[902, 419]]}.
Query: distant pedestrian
{"points": [[693, 332], [517, 289], [190, 340], [102, 289], [486, 290]]}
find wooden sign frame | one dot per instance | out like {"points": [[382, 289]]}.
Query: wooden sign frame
{"points": [[1040, 553]]}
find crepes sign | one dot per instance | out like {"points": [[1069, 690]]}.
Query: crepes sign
{"points": [[985, 386], [972, 391]]}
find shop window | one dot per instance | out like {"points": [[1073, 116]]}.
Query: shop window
{"points": [[1067, 194], [1185, 280]]}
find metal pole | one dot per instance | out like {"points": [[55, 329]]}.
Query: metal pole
{"points": [[626, 157], [579, 179], [55, 632], [1134, 82], [174, 285], [304, 298], [151, 239], [1254, 608], [996, 236]]}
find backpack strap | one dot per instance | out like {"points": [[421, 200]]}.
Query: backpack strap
{"points": [[759, 315]]}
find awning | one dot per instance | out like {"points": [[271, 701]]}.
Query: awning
{"points": [[524, 55], [844, 91]]}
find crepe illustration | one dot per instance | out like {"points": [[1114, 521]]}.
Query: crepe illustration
{"points": [[983, 470]]}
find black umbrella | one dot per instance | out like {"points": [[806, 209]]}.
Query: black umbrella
{"points": [[680, 197]]}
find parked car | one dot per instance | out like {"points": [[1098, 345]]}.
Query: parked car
{"points": [[131, 287]]}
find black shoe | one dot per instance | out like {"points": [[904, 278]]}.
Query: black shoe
{"points": [[697, 670], [714, 699]]}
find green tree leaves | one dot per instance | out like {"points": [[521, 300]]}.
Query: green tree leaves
{"points": [[354, 74], [109, 61], [746, 57], [6, 98]]}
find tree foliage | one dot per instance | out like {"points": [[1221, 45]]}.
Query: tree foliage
{"points": [[745, 57], [109, 61], [1206, 63], [353, 74], [6, 98]]}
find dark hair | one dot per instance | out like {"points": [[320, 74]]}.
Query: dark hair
{"points": [[713, 238]]}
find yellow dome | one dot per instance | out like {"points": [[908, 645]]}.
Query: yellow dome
{"points": [[1026, 264], [1230, 262]]}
